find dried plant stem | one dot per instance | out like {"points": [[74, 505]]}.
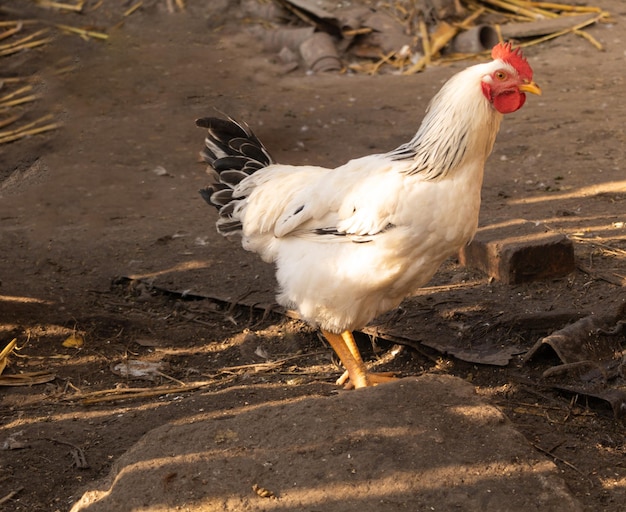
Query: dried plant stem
{"points": [[538, 12], [83, 32], [14, 23], [27, 130], [96, 6], [378, 64], [179, 3], [27, 379], [18, 101], [21, 90], [26, 39], [111, 395], [444, 34], [425, 40], [32, 44], [133, 8], [565, 7], [11, 495], [12, 31], [469, 21], [510, 17], [62, 6], [555, 457], [14, 80], [575, 29], [10, 120], [516, 9], [6, 352], [590, 38], [28, 126]]}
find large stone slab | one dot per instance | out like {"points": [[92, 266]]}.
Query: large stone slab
{"points": [[427, 443]]}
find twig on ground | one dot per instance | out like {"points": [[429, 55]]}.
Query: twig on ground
{"points": [[11, 495], [111, 395], [83, 32], [556, 457], [80, 461], [269, 365]]}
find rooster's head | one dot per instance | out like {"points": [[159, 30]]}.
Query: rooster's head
{"points": [[506, 85]]}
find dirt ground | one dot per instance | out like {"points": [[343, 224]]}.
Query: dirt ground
{"points": [[101, 216]]}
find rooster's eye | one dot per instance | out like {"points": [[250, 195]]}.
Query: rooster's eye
{"points": [[500, 75]]}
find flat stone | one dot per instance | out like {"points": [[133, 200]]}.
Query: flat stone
{"points": [[519, 251], [425, 443]]}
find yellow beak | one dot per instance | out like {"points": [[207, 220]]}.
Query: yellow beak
{"points": [[530, 87]]}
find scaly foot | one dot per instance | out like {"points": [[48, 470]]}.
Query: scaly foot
{"points": [[371, 379]]}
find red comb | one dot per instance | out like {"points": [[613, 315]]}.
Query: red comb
{"points": [[514, 57]]}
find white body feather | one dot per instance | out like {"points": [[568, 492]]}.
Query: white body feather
{"points": [[352, 242]]}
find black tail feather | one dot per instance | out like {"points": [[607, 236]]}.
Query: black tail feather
{"points": [[233, 153]]}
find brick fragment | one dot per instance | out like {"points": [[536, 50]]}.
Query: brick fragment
{"points": [[519, 251]]}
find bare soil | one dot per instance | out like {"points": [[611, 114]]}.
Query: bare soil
{"points": [[99, 218]]}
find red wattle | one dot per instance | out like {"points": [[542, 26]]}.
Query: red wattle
{"points": [[509, 102]]}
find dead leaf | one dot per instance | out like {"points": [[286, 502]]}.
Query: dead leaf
{"points": [[74, 341], [12, 443], [27, 379], [136, 369], [6, 352]]}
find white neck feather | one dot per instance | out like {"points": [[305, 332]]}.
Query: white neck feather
{"points": [[460, 124]]}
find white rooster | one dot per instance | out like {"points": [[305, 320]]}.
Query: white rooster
{"points": [[352, 242]]}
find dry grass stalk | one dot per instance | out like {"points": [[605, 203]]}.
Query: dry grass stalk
{"points": [[133, 8], [425, 40], [27, 127], [24, 41], [10, 120], [13, 23], [14, 80], [555, 457], [111, 395], [21, 90], [173, 4], [20, 134], [12, 31], [590, 38], [18, 101], [32, 44], [11, 495], [576, 29], [597, 242], [565, 7], [64, 69], [50, 4], [468, 22], [537, 11], [6, 352], [440, 38], [513, 7], [385, 59], [27, 379], [477, 4], [444, 34], [96, 6], [83, 32], [268, 365]]}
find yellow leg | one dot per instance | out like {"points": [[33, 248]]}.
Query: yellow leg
{"points": [[345, 347], [348, 338]]}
